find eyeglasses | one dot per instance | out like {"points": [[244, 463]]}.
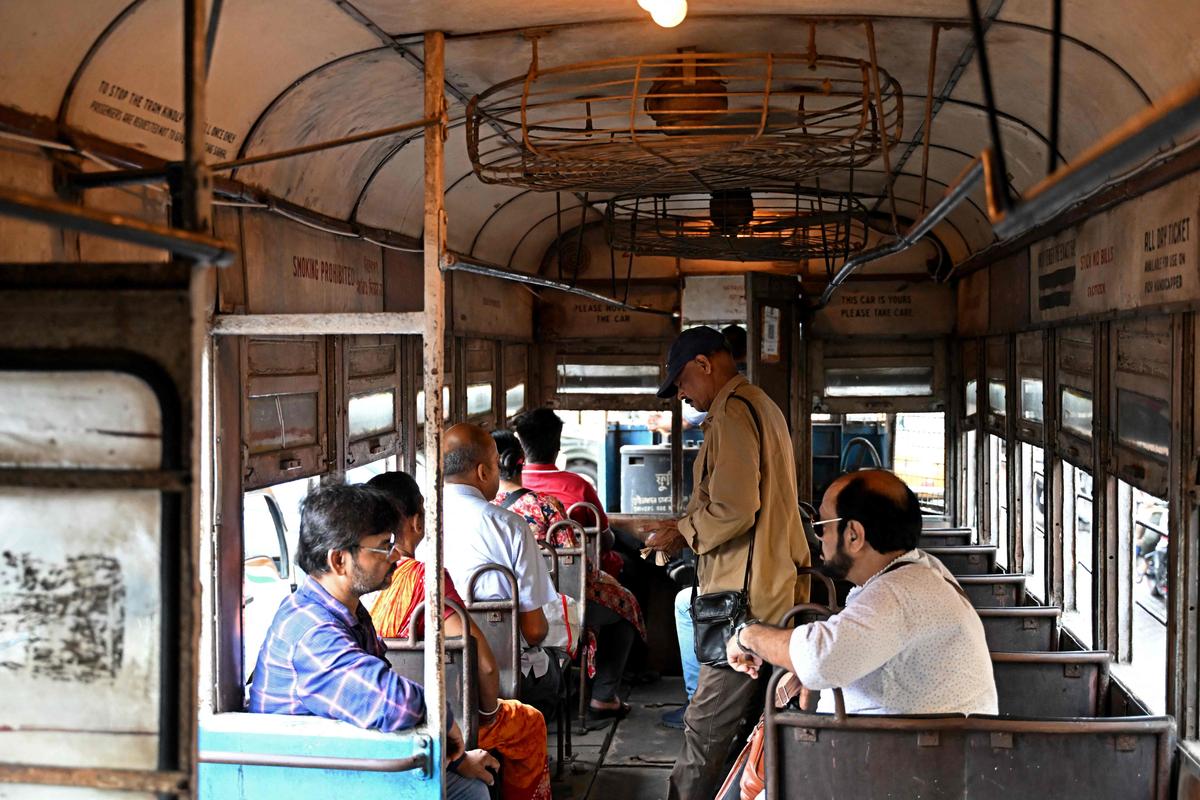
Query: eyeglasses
{"points": [[387, 552], [820, 522]]}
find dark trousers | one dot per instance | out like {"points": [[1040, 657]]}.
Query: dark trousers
{"points": [[714, 728], [614, 637]]}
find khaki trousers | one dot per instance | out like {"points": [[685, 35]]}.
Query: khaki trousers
{"points": [[712, 727]]}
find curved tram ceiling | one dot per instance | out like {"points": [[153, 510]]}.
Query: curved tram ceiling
{"points": [[331, 68]]}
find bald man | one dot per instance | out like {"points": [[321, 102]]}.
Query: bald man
{"points": [[479, 533], [908, 641]]}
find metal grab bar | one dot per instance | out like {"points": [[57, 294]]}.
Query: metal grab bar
{"points": [[405, 764]]}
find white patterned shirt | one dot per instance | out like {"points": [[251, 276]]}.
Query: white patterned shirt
{"points": [[907, 643]]}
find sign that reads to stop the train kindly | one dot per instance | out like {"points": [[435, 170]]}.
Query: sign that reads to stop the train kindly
{"points": [[888, 309], [1141, 253]]}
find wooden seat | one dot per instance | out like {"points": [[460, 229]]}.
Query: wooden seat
{"points": [[945, 537], [407, 657], [1065, 684], [1023, 629], [974, 559], [994, 591], [964, 758]]}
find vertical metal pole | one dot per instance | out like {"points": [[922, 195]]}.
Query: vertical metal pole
{"points": [[195, 180], [1055, 80], [435, 357], [1053, 488]]}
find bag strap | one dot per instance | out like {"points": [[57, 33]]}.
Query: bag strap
{"points": [[513, 497], [753, 528]]}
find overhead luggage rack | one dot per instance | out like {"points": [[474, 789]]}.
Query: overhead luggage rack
{"points": [[682, 122], [739, 225]]}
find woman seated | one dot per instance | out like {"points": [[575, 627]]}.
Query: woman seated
{"points": [[515, 731], [612, 610]]}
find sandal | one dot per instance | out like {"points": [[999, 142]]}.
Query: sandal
{"points": [[599, 714]]}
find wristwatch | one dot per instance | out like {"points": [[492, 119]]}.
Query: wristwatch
{"points": [[737, 634]]}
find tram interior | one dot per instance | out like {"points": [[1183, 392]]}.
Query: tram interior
{"points": [[250, 248]]}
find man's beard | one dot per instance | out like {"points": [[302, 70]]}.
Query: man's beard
{"points": [[839, 566], [360, 584]]}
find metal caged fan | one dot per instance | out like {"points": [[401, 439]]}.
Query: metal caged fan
{"points": [[683, 122], [739, 225]]}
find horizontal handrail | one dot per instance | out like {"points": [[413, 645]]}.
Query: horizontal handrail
{"points": [[405, 764]]}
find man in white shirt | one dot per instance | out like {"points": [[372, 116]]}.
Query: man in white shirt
{"points": [[479, 533], [908, 641]]}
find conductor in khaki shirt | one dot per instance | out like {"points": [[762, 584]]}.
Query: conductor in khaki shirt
{"points": [[741, 473]]}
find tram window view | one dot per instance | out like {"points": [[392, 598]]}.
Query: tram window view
{"points": [[561, 400]]}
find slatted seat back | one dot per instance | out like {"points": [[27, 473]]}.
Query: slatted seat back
{"points": [[1070, 684], [497, 619], [1021, 630], [407, 657], [945, 537], [975, 559], [929, 521], [964, 758], [994, 591], [587, 518]]}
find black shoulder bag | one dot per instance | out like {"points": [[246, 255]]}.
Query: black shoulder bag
{"points": [[716, 614]]}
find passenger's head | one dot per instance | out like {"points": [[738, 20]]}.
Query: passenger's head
{"points": [[736, 336], [469, 457], [879, 518], [346, 535], [699, 364], [511, 455], [403, 490], [540, 432]]}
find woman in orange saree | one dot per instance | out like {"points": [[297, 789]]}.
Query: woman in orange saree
{"points": [[513, 730]]}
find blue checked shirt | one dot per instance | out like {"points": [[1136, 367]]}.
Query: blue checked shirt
{"points": [[319, 660]]}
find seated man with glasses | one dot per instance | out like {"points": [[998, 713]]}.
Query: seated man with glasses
{"points": [[322, 656], [908, 641]]}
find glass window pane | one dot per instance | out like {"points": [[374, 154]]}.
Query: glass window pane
{"points": [[1146, 671], [105, 420], [997, 397], [278, 422], [608, 378], [80, 627], [1077, 412], [913, 381], [998, 497], [372, 413], [1034, 523], [1077, 556], [971, 405], [1144, 422], [421, 405], [1031, 400], [514, 400], [479, 398], [920, 457]]}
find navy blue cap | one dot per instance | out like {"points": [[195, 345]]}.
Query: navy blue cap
{"points": [[693, 342]]}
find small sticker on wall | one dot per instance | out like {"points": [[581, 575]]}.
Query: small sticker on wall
{"points": [[770, 335]]}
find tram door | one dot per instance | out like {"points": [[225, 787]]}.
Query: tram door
{"points": [[97, 570]]}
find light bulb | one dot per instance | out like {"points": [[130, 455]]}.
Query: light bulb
{"points": [[668, 13]]}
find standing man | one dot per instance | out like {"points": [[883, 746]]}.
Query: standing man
{"points": [[745, 485]]}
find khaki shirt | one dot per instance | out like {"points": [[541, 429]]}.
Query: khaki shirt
{"points": [[744, 477]]}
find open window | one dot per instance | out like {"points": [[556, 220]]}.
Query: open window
{"points": [[969, 365], [516, 378], [1141, 403], [479, 377], [996, 384], [1075, 375]]}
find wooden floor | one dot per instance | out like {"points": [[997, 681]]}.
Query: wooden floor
{"points": [[626, 760]]}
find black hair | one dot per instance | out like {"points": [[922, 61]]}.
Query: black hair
{"points": [[512, 456], [338, 518], [461, 459], [540, 431], [404, 491], [736, 336], [889, 526]]}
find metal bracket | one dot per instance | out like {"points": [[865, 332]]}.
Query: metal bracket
{"points": [[1002, 740], [1126, 743], [806, 734], [929, 739], [494, 617], [1072, 671], [1030, 624]]}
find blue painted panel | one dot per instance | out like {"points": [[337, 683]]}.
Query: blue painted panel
{"points": [[271, 734]]}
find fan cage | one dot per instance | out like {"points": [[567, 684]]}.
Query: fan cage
{"points": [[782, 226], [682, 122]]}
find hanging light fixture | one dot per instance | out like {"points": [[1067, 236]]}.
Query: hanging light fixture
{"points": [[666, 13]]}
